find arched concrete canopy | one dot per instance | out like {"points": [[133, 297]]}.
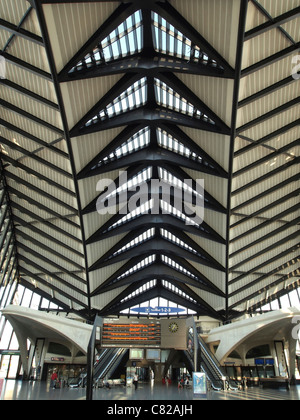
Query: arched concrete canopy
{"points": [[255, 331], [31, 324]]}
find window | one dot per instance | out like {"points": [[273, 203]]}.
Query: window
{"points": [[170, 41], [172, 238], [125, 40], [137, 241], [132, 98], [171, 263], [140, 266], [135, 143]]}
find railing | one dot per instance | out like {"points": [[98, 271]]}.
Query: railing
{"points": [[109, 365], [211, 367]]}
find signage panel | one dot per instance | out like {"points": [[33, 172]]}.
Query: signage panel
{"points": [[200, 385], [158, 310], [131, 335]]}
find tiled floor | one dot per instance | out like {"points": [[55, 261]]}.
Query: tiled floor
{"points": [[17, 390]]}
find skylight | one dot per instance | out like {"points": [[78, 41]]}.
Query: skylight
{"points": [[168, 40], [168, 142], [137, 142], [168, 98], [176, 266], [133, 183], [140, 266], [149, 285], [139, 211], [125, 40], [168, 209], [175, 289], [177, 183], [172, 238], [130, 99], [136, 241]]}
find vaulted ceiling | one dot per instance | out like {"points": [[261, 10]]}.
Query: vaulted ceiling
{"points": [[108, 106]]}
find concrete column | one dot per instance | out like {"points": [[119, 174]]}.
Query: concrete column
{"points": [[158, 372], [292, 358], [274, 356], [22, 340]]}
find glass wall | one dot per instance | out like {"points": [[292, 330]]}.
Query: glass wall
{"points": [[10, 365]]}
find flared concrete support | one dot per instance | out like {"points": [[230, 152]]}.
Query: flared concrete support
{"points": [[243, 335], [22, 340], [33, 325]]}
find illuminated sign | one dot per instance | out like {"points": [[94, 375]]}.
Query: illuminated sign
{"points": [[158, 310], [200, 385], [134, 334]]}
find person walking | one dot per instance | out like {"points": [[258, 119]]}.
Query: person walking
{"points": [[135, 381], [54, 379]]}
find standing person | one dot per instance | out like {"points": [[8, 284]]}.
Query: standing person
{"points": [[136, 381], [54, 378]]}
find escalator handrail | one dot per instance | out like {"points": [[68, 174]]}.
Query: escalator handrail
{"points": [[103, 367], [211, 359], [216, 366], [214, 362], [116, 362], [216, 382]]}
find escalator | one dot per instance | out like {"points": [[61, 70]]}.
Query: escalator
{"points": [[106, 365], [211, 367]]}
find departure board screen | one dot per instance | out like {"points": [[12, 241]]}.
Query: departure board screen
{"points": [[131, 335]]}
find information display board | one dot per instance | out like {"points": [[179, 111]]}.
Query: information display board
{"points": [[200, 385], [131, 335]]}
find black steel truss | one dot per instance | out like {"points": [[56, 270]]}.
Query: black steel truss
{"points": [[209, 201], [148, 59], [159, 271], [152, 153], [151, 111], [200, 306], [155, 244], [152, 63]]}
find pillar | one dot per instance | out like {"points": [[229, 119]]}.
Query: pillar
{"points": [[292, 358]]}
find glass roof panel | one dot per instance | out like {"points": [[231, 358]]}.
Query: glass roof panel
{"points": [[135, 143], [136, 241], [168, 98], [139, 211], [168, 209], [168, 40], [168, 142], [132, 98], [142, 177], [172, 238], [125, 40], [171, 179], [175, 289], [149, 285], [171, 263], [140, 266]]}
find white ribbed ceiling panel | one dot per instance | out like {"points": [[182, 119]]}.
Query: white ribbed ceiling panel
{"points": [[172, 91], [37, 165]]}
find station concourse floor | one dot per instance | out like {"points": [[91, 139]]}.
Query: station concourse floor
{"points": [[38, 391]]}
